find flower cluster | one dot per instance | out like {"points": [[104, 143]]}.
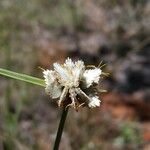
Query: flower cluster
{"points": [[72, 84]]}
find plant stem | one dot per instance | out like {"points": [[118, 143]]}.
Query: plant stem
{"points": [[60, 128]]}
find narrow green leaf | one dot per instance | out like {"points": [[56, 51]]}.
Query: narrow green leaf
{"points": [[22, 77]]}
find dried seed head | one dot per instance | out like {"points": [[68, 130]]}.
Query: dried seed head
{"points": [[73, 85]]}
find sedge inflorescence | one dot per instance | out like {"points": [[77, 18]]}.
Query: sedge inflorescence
{"points": [[73, 84]]}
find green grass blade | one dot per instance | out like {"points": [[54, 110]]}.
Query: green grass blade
{"points": [[22, 77]]}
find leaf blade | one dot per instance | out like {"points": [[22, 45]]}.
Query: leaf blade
{"points": [[22, 77]]}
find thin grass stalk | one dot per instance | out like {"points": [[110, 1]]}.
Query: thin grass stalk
{"points": [[60, 128]]}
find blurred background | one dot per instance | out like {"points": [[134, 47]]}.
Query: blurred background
{"points": [[37, 33]]}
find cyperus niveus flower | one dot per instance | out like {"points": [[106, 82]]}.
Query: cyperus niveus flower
{"points": [[72, 84]]}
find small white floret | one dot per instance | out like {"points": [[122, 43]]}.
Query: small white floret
{"points": [[69, 63], [91, 76], [62, 73], [95, 102], [70, 73], [49, 76], [52, 86]]}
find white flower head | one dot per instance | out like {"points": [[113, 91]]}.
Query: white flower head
{"points": [[72, 84]]}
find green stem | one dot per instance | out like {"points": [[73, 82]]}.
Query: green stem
{"points": [[60, 128]]}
